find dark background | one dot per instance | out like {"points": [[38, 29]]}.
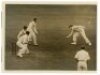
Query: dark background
{"points": [[54, 51]]}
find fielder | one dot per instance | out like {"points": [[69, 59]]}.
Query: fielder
{"points": [[82, 57], [76, 31], [33, 31], [22, 43], [22, 32]]}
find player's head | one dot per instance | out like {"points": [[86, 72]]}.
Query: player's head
{"points": [[82, 47], [70, 26], [25, 27], [35, 19], [27, 32]]}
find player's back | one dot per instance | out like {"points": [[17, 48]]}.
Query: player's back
{"points": [[78, 28], [82, 55], [23, 39]]}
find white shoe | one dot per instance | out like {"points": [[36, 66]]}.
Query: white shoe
{"points": [[20, 55], [73, 43]]}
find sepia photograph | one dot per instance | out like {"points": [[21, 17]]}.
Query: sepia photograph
{"points": [[50, 37]]}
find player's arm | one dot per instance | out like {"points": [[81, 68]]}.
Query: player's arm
{"points": [[88, 56], [76, 57], [71, 33], [81, 27]]}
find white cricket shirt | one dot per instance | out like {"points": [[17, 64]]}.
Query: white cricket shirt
{"points": [[82, 55], [23, 39]]}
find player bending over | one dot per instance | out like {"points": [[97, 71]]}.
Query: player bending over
{"points": [[76, 31], [22, 43], [82, 56]]}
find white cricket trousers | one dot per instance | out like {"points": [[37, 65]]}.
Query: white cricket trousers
{"points": [[23, 49], [33, 37], [82, 65], [76, 34]]}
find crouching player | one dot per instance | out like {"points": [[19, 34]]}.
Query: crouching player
{"points": [[22, 43], [82, 56], [77, 31]]}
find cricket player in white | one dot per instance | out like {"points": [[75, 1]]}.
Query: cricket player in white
{"points": [[22, 32], [33, 31], [82, 57], [22, 43], [76, 31]]}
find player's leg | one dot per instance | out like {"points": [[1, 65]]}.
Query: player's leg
{"points": [[30, 37], [75, 37], [20, 51], [85, 38], [24, 49], [79, 66], [84, 66], [34, 37], [27, 50], [19, 54]]}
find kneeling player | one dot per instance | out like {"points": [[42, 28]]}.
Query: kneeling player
{"points": [[22, 43]]}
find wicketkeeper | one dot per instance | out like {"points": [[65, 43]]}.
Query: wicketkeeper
{"points": [[22, 43]]}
